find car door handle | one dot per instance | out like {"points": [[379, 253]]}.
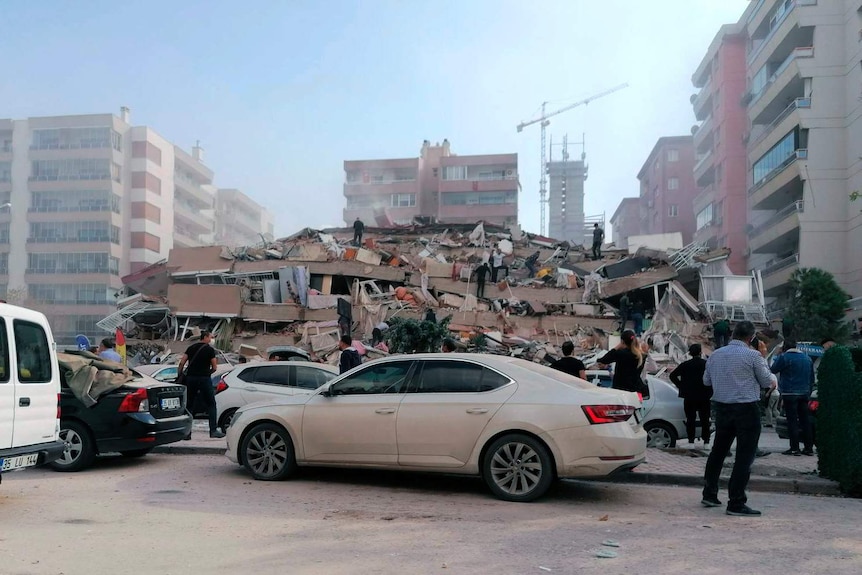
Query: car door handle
{"points": [[385, 410], [477, 410], [24, 402]]}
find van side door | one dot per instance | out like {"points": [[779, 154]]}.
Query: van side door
{"points": [[36, 378], [7, 391]]}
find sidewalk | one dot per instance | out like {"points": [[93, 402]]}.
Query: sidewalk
{"points": [[682, 465]]}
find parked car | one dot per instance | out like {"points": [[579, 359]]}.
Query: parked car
{"points": [[131, 420], [287, 353], [267, 380], [29, 386], [162, 372], [517, 424]]}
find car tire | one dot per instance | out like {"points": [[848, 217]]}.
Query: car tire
{"points": [[132, 453], [267, 452], [660, 434], [80, 447], [226, 418], [518, 468]]}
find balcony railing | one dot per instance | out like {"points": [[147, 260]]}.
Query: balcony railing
{"points": [[778, 265], [775, 26], [801, 52], [797, 103], [796, 207], [800, 154], [701, 160]]}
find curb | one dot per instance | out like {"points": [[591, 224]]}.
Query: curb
{"points": [[812, 486]]}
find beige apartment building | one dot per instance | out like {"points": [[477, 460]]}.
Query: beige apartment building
{"points": [[240, 221], [87, 199], [804, 106]]}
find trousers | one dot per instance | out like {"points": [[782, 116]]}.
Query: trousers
{"points": [[202, 386], [740, 422]]}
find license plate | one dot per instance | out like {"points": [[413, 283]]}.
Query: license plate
{"points": [[11, 463], [171, 403]]}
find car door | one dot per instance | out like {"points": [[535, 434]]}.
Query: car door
{"points": [[448, 405], [266, 382], [37, 386], [7, 391], [354, 420]]}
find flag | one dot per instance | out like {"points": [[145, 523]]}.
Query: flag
{"points": [[121, 344]]}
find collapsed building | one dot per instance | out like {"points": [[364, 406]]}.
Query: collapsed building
{"points": [[304, 290]]}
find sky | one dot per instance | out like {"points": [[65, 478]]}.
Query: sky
{"points": [[280, 93]]}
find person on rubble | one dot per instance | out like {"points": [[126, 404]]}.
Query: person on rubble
{"points": [[377, 341], [721, 332], [481, 273], [531, 262], [497, 265], [629, 363], [569, 364], [349, 356], [598, 238], [448, 345], [625, 311], [688, 378], [358, 230], [637, 315]]}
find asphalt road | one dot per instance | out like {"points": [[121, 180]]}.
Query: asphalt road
{"points": [[172, 514]]}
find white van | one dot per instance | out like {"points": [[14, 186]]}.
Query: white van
{"points": [[29, 390]]}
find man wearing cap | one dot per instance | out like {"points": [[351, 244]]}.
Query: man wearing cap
{"points": [[688, 378]]}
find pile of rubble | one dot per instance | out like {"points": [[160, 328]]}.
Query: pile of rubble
{"points": [[308, 288]]}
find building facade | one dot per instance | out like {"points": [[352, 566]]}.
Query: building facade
{"points": [[240, 221], [667, 188], [804, 108], [721, 163], [86, 200], [626, 221], [566, 219], [437, 185]]}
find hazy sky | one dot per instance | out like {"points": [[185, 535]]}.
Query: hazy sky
{"points": [[281, 92]]}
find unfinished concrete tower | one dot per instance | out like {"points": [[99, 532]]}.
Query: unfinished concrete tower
{"points": [[566, 199]]}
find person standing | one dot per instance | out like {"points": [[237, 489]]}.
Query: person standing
{"points": [[358, 230], [531, 262], [568, 363], [201, 360], [349, 356], [795, 372], [106, 351], [688, 378], [598, 238], [721, 332], [629, 363], [497, 265], [638, 317], [448, 345], [771, 412], [481, 273], [736, 373], [625, 311]]}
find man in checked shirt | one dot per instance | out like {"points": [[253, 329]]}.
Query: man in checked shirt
{"points": [[736, 373]]}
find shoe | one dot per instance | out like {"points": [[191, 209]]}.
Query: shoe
{"points": [[710, 502], [743, 511], [808, 452], [216, 434], [795, 452]]}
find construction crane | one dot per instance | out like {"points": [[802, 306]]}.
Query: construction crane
{"points": [[544, 119]]}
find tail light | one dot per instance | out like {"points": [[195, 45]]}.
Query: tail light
{"points": [[135, 402], [221, 386], [58, 405], [608, 413], [813, 405], [640, 397]]}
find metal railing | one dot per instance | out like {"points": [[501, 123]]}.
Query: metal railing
{"points": [[800, 52], [700, 162], [796, 207], [800, 154], [779, 265], [797, 103]]}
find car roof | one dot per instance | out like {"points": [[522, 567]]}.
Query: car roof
{"points": [[323, 366], [491, 360]]}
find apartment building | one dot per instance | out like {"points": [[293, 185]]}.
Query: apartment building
{"points": [[240, 221], [804, 107], [667, 188], [626, 221], [721, 163], [566, 219], [437, 185], [85, 200]]}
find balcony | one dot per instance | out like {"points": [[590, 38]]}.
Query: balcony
{"points": [[381, 188], [703, 134], [779, 233], [777, 274], [195, 190], [704, 170], [193, 219], [782, 30], [767, 136], [782, 186], [703, 198], [778, 81], [702, 101]]}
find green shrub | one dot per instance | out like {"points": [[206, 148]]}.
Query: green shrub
{"points": [[856, 352], [839, 420], [413, 336]]}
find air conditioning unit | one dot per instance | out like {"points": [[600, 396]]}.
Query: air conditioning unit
{"points": [[510, 173]]}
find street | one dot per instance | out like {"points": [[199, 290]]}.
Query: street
{"points": [[178, 514]]}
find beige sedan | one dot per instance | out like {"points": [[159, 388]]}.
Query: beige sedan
{"points": [[517, 424]]}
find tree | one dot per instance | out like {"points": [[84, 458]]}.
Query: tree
{"points": [[414, 336], [817, 305]]}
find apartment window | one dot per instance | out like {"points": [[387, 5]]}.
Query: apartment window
{"points": [[75, 138], [146, 211], [672, 184], [352, 176], [478, 198], [75, 201], [356, 202], [74, 169], [455, 173], [673, 210], [402, 200], [776, 158], [143, 240], [69, 294], [404, 175], [5, 172], [148, 150], [704, 217], [673, 155], [60, 232], [72, 263], [4, 233], [4, 263]]}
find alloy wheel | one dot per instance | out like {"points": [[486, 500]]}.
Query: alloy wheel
{"points": [[267, 453], [74, 446], [516, 468]]}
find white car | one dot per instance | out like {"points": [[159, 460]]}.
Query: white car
{"points": [[267, 380], [518, 424]]}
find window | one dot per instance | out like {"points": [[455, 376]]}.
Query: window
{"points": [[478, 198], [455, 173], [704, 217], [167, 374], [51, 232], [72, 263], [4, 233], [390, 377], [673, 155], [402, 200], [248, 375], [69, 294], [457, 377], [5, 171], [672, 184], [311, 378], [34, 355], [4, 354], [75, 201], [273, 375], [75, 138], [775, 158], [673, 210], [74, 169]]}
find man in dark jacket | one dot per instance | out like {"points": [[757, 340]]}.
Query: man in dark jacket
{"points": [[481, 273], [598, 238], [358, 230], [349, 356], [688, 378], [625, 311], [569, 364], [795, 372]]}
